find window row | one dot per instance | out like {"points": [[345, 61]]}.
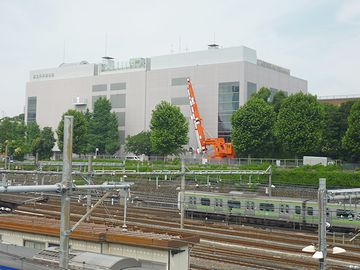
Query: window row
{"points": [[270, 207], [118, 101], [113, 86]]}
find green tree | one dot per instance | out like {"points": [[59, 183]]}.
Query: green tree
{"points": [[344, 111], [139, 144], [263, 93], [32, 135], [332, 133], [103, 128], [44, 144], [13, 134], [252, 128], [299, 124], [278, 99], [80, 132], [169, 129], [351, 140]]}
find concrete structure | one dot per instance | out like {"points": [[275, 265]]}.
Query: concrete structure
{"points": [[223, 79], [154, 250], [14, 257]]}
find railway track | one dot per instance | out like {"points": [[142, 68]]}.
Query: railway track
{"points": [[222, 246]]}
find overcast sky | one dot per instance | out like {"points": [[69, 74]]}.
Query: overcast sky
{"points": [[318, 40]]}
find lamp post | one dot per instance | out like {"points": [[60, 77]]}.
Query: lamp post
{"points": [[321, 249]]}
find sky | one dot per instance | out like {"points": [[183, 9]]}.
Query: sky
{"points": [[318, 40]]}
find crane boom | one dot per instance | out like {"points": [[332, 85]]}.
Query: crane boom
{"points": [[221, 148], [197, 120]]}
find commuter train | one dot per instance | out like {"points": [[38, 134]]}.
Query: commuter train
{"points": [[244, 207]]}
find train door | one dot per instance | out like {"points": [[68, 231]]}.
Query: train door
{"points": [[250, 208], [284, 210]]}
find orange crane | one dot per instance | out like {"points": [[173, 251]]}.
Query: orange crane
{"points": [[221, 148]]}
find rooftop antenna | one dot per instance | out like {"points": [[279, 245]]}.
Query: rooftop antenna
{"points": [[179, 43], [64, 50], [213, 45], [106, 44]]}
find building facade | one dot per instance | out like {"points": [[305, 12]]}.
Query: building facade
{"points": [[223, 80]]}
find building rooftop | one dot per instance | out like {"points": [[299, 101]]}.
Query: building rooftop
{"points": [[98, 232], [214, 55]]}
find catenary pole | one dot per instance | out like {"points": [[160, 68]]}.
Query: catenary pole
{"points": [[182, 194], [88, 192], [322, 222], [65, 198]]}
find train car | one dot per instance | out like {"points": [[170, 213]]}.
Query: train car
{"points": [[248, 207]]}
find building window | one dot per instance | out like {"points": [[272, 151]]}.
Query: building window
{"points": [[250, 89], [180, 101], [121, 118], [99, 87], [228, 102], [34, 244], [122, 136], [31, 109], [118, 86], [179, 81], [95, 98], [118, 101], [273, 92]]}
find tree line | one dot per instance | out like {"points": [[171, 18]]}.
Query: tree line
{"points": [[296, 125], [277, 126], [20, 139], [266, 126]]}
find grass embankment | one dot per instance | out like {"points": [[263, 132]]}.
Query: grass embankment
{"points": [[335, 176]]}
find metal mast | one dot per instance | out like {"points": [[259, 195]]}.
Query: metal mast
{"points": [[65, 198]]}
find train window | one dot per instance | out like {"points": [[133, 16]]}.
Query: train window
{"points": [[218, 202], [297, 209], [310, 211], [234, 204], [342, 213], [281, 208], [205, 201], [286, 208], [192, 200], [327, 212], [267, 207]]}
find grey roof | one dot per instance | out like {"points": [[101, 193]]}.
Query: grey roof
{"points": [[101, 261]]}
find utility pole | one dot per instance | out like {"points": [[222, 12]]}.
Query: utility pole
{"points": [[88, 193], [322, 222], [270, 184], [65, 198], [6, 156], [182, 194]]}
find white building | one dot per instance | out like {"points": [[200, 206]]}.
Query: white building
{"points": [[223, 79]]}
